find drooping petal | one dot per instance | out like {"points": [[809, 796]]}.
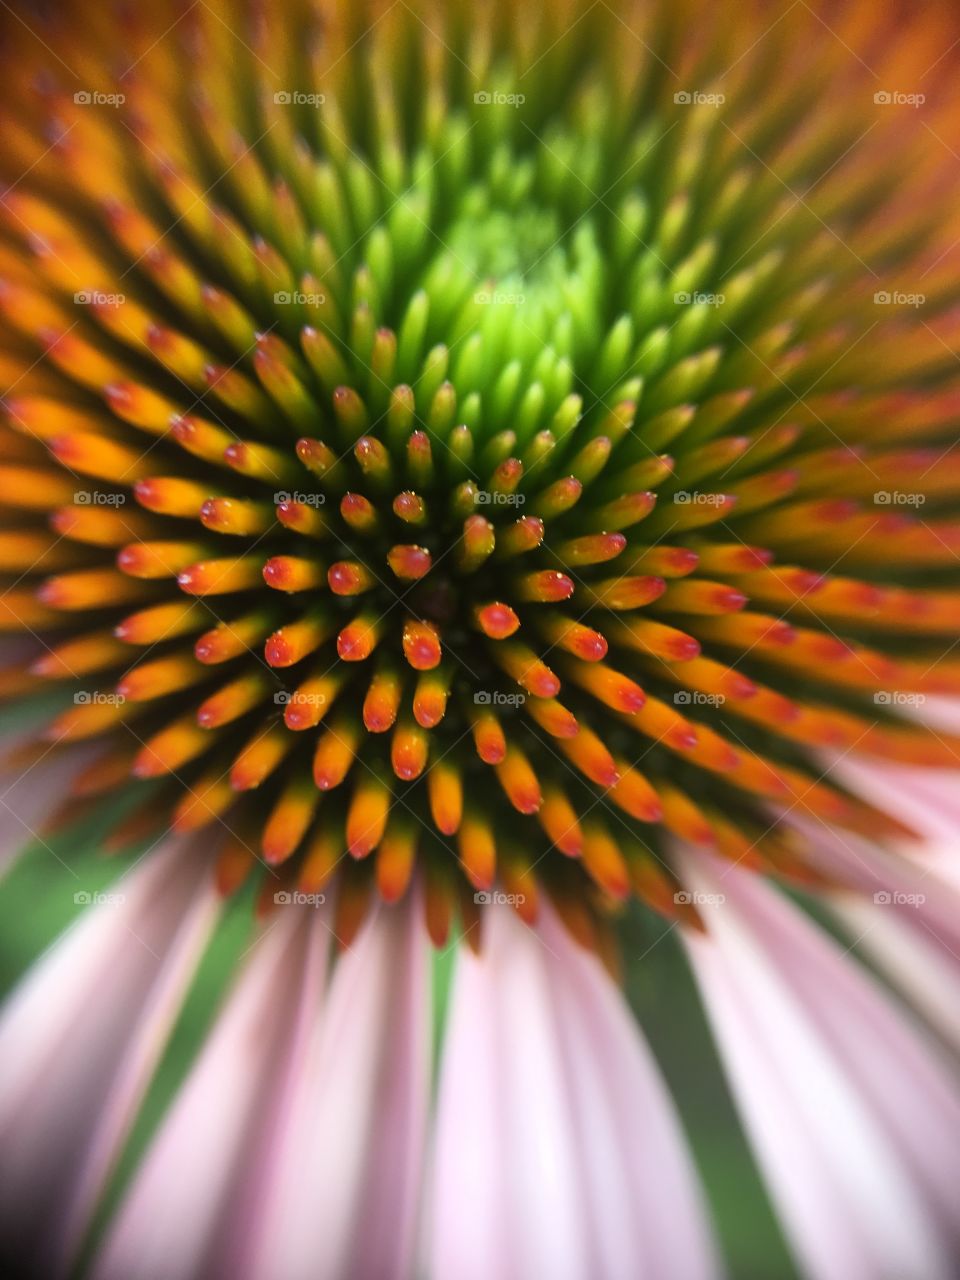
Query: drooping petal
{"points": [[557, 1151], [629, 1104], [192, 1209], [928, 800], [504, 1201], [79, 1040], [345, 1201], [851, 1115], [903, 914], [912, 957]]}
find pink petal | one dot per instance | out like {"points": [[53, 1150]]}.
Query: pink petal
{"points": [[926, 799], [557, 1151], [467, 1198], [79, 1041], [346, 1198], [506, 1198], [852, 1117], [903, 914], [913, 958], [29, 794], [942, 712], [190, 1210]]}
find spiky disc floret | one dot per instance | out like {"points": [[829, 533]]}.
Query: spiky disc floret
{"points": [[466, 457]]}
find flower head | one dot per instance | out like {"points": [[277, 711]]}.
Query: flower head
{"points": [[467, 459]]}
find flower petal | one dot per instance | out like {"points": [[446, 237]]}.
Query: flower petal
{"points": [[852, 1118], [192, 1208], [346, 1198], [913, 959], [79, 1040], [905, 915], [27, 792], [557, 1151]]}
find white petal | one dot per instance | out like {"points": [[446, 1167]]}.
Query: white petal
{"points": [[346, 1199], [557, 1151], [80, 1037], [852, 1117], [191, 1209]]}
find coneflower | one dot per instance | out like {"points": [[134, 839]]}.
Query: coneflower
{"points": [[466, 469]]}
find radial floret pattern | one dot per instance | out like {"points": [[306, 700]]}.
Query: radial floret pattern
{"points": [[455, 460]]}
